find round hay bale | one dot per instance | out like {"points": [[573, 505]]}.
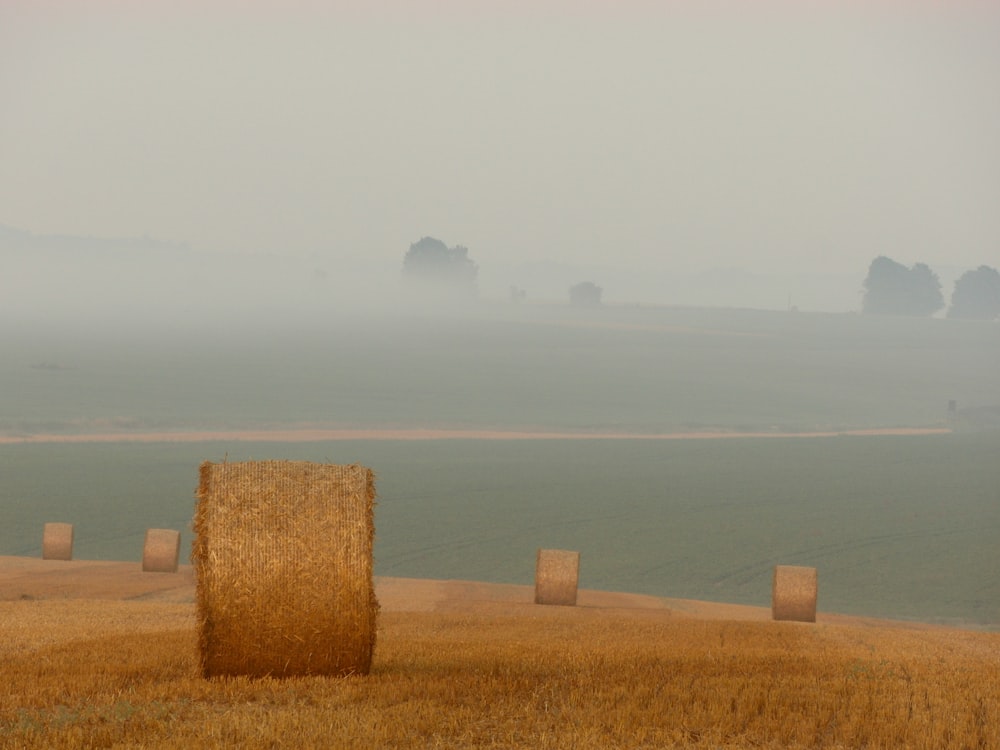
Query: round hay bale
{"points": [[283, 559], [557, 575], [793, 593], [161, 550], [57, 541]]}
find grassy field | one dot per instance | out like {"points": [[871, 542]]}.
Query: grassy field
{"points": [[901, 527], [105, 674]]}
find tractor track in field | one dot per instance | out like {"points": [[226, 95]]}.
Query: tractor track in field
{"points": [[746, 573]]}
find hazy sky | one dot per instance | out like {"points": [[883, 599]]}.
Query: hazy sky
{"points": [[687, 135]]}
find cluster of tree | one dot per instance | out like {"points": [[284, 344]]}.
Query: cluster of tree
{"points": [[448, 272], [976, 295], [893, 289], [517, 294], [439, 269], [585, 294]]}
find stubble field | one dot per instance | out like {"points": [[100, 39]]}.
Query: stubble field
{"points": [[86, 673]]}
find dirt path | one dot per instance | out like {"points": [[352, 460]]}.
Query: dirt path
{"points": [[316, 435]]}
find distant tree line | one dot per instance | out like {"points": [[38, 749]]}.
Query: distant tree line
{"points": [[436, 271], [439, 271], [893, 289]]}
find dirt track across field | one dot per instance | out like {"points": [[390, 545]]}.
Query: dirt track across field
{"points": [[318, 435]]}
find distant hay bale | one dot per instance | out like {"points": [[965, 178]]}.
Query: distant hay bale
{"points": [[283, 559], [793, 593], [557, 574], [161, 551], [57, 541]]}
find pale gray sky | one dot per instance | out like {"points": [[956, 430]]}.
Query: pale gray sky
{"points": [[670, 135]]}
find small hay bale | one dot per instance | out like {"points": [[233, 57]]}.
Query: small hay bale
{"points": [[793, 593], [57, 541], [557, 574], [161, 551], [283, 559]]}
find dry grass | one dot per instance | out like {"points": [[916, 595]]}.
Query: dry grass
{"points": [[97, 674], [283, 560]]}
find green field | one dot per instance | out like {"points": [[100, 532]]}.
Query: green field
{"points": [[898, 526], [901, 527]]}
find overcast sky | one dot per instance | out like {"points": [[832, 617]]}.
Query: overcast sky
{"points": [[670, 135]]}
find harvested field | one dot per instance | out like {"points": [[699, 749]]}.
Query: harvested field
{"points": [[469, 665]]}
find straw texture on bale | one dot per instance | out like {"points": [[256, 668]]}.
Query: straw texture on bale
{"points": [[283, 559], [57, 541], [793, 593], [557, 574], [161, 551]]}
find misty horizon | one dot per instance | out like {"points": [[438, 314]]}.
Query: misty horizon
{"points": [[652, 142], [60, 274]]}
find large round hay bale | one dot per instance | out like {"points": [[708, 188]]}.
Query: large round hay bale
{"points": [[793, 593], [557, 575], [57, 541], [283, 559], [161, 551]]}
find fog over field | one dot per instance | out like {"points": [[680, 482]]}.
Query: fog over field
{"points": [[255, 216], [898, 526]]}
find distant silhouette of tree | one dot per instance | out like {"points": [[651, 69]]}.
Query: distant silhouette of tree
{"points": [[976, 295], [435, 267], [893, 289], [885, 286], [585, 294], [925, 290]]}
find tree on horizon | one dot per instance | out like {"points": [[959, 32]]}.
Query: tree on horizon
{"points": [[585, 294], [431, 265], [976, 295], [893, 289]]}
